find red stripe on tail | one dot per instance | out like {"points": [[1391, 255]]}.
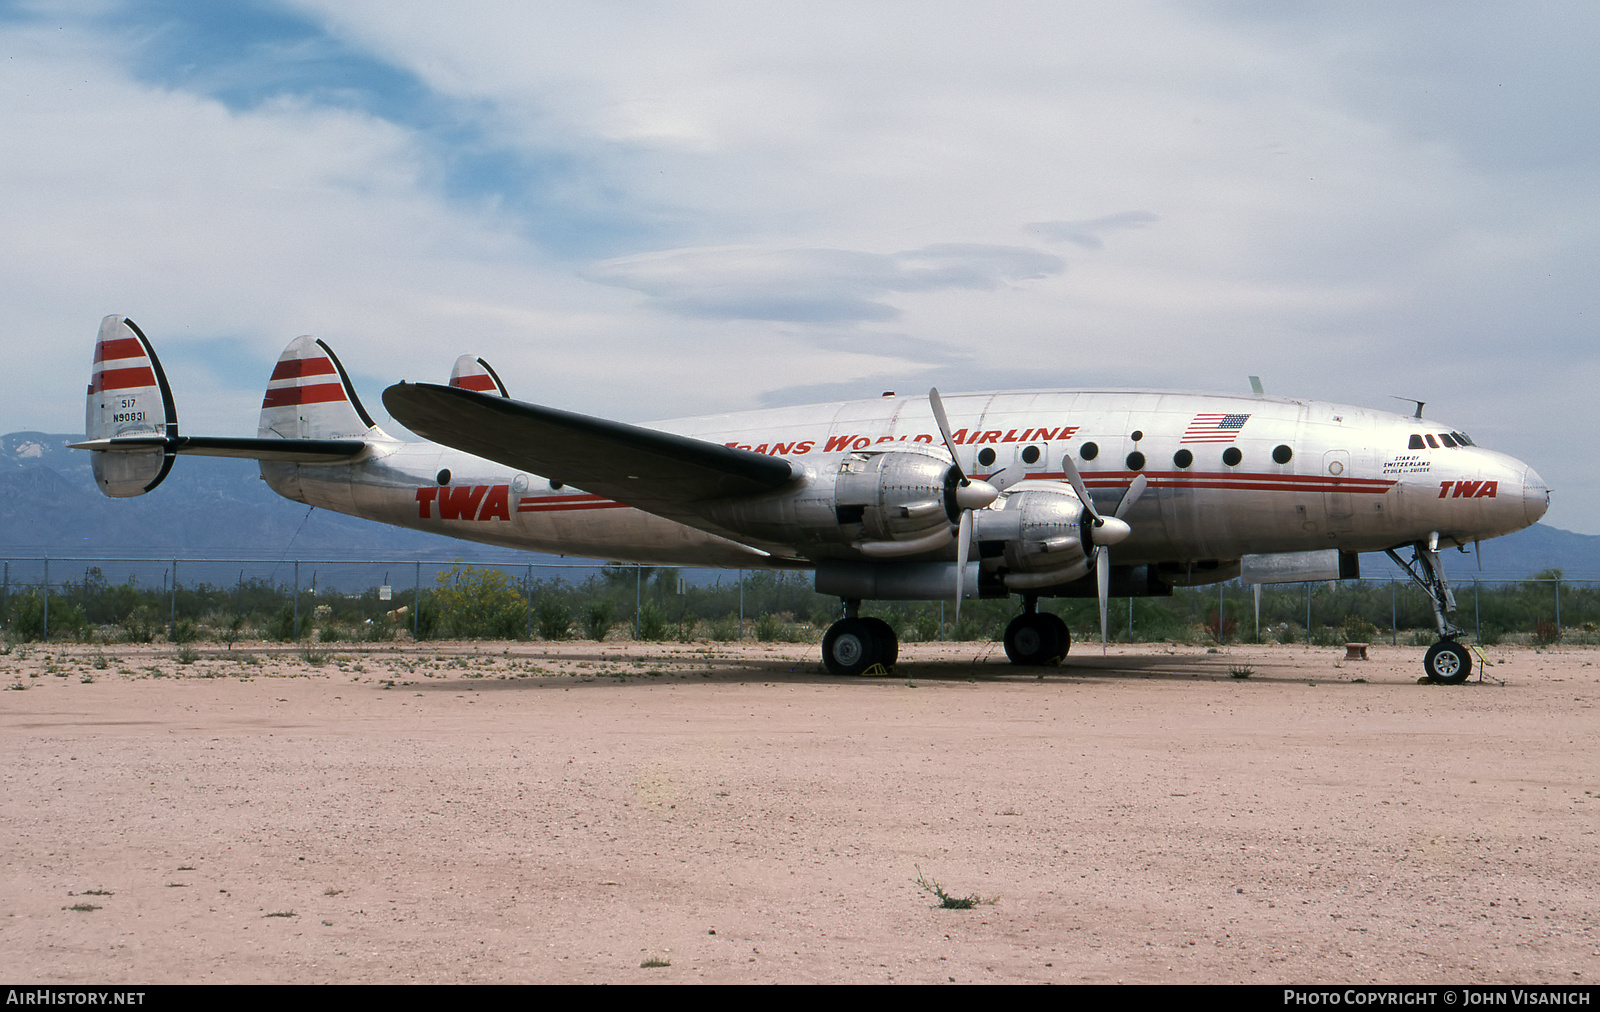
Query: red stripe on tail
{"points": [[293, 368], [124, 379], [319, 393]]}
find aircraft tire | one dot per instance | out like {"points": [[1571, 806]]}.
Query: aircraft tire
{"points": [[888, 643], [849, 647], [1065, 636], [1448, 663], [1034, 640]]}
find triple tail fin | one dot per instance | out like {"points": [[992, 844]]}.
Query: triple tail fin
{"points": [[129, 400], [471, 373], [311, 414], [310, 396]]}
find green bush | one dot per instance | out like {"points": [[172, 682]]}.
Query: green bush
{"points": [[553, 618], [478, 603], [597, 618]]}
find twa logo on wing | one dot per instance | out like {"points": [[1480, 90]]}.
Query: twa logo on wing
{"points": [[1469, 489], [464, 502]]}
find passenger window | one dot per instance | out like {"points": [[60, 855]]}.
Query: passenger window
{"points": [[1135, 461], [1030, 455], [1089, 451], [1183, 458], [986, 456], [1231, 456], [1416, 443], [1282, 454]]}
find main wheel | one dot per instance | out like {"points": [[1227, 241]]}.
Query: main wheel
{"points": [[1065, 637], [849, 647], [1034, 639], [888, 644], [1448, 663]]}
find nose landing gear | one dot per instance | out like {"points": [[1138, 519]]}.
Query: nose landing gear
{"points": [[1447, 662]]}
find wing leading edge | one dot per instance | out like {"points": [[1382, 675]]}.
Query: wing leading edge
{"points": [[658, 472]]}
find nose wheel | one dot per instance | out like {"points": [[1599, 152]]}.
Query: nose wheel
{"points": [[1448, 663]]}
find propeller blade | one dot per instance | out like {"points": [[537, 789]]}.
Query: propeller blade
{"points": [[1102, 580], [944, 430], [1079, 487], [963, 537], [1131, 496]]}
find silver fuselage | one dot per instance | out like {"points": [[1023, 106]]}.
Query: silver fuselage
{"points": [[1353, 479]]}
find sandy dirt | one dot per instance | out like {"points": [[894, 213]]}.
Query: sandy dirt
{"points": [[558, 813]]}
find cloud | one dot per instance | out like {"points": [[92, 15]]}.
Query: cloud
{"points": [[1087, 232], [817, 286]]}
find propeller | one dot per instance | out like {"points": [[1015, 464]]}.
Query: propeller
{"points": [[969, 494], [1103, 531]]}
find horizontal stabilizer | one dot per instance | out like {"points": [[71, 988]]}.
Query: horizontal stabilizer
{"points": [[286, 451], [655, 471]]}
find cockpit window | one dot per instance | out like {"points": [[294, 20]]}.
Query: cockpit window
{"points": [[1416, 443], [1431, 441], [1461, 437], [1444, 437]]}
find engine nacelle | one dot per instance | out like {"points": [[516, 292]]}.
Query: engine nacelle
{"points": [[1041, 526], [882, 505]]}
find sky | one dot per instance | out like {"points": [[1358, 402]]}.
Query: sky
{"points": [[648, 210]]}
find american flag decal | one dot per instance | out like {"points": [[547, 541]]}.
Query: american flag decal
{"points": [[1214, 428]]}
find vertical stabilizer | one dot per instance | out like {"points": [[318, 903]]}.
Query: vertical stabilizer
{"points": [[471, 373], [310, 396], [128, 397]]}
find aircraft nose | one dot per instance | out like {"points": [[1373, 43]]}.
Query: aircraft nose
{"points": [[1535, 495]]}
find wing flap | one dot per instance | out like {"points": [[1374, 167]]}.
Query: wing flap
{"points": [[655, 471]]}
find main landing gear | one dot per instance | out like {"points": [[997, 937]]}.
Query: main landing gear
{"points": [[1447, 662], [1036, 637], [852, 645]]}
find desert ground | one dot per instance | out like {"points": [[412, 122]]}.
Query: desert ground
{"points": [[654, 813]]}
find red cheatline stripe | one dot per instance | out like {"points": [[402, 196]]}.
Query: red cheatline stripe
{"points": [[319, 393], [291, 368], [479, 382], [122, 347], [124, 379], [541, 506], [1270, 482]]}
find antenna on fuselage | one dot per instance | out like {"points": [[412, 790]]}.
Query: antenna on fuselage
{"points": [[1411, 400]]}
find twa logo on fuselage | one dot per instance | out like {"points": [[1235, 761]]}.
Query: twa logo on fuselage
{"points": [[1469, 489], [464, 502]]}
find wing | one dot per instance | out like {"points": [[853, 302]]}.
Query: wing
{"points": [[654, 471]]}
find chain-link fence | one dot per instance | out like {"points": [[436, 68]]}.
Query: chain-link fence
{"points": [[178, 600]]}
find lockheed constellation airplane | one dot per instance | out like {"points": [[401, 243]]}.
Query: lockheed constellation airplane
{"points": [[1034, 493]]}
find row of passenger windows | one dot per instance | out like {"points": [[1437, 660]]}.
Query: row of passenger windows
{"points": [[1184, 458], [1451, 439]]}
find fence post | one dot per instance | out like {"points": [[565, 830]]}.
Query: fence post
{"points": [[172, 614], [1558, 607], [1394, 615], [741, 606], [296, 629], [1308, 616], [529, 584], [1477, 612], [416, 603], [47, 600], [638, 596]]}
